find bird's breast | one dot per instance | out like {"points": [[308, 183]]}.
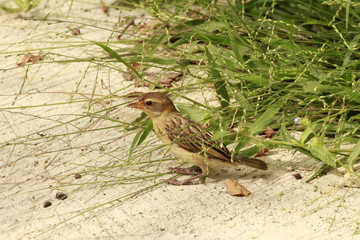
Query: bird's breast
{"points": [[159, 129]]}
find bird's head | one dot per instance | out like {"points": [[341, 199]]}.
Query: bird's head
{"points": [[154, 104]]}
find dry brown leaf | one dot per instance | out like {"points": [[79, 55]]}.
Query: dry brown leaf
{"points": [[235, 189], [196, 15], [264, 152], [169, 78], [129, 75], [29, 58], [269, 132], [153, 24], [149, 27]]}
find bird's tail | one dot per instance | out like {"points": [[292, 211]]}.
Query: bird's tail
{"points": [[250, 162]]}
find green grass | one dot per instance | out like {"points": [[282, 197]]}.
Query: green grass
{"points": [[269, 62], [21, 6]]}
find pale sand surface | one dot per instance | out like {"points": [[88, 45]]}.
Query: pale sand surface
{"points": [[47, 155]]}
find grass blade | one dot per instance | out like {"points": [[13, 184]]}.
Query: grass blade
{"points": [[353, 156], [260, 124], [324, 169], [140, 137], [220, 85], [319, 150]]}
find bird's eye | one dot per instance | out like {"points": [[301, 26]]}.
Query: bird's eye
{"points": [[149, 103]]}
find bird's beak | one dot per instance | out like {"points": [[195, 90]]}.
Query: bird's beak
{"points": [[137, 105]]}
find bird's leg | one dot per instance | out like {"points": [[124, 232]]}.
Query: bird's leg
{"points": [[189, 181], [195, 170]]}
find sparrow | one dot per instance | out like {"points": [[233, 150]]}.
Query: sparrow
{"points": [[188, 140]]}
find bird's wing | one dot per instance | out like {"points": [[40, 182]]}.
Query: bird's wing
{"points": [[194, 138]]}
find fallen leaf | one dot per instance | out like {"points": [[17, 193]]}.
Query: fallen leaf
{"points": [[29, 58], [269, 132], [153, 23], [169, 78], [129, 75], [149, 27], [234, 188], [262, 153]]}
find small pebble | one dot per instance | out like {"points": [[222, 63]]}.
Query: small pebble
{"points": [[297, 176], [75, 31], [61, 196], [47, 204]]}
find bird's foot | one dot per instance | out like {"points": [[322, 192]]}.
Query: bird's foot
{"points": [[177, 182], [186, 171], [190, 181]]}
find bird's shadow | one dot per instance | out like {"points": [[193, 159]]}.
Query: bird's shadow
{"points": [[276, 169]]}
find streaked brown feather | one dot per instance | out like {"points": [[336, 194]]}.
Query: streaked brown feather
{"points": [[194, 138]]}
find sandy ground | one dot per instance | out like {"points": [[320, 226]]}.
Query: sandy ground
{"points": [[68, 132]]}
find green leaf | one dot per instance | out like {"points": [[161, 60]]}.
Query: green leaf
{"points": [[24, 6], [194, 22], [260, 124], [221, 131], [140, 137], [314, 22], [307, 135], [220, 85], [266, 118], [319, 150], [353, 156], [237, 53], [221, 91], [196, 114], [160, 61], [211, 38], [353, 95], [248, 152], [137, 120], [304, 151], [311, 86], [324, 169], [284, 134], [256, 79]]}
